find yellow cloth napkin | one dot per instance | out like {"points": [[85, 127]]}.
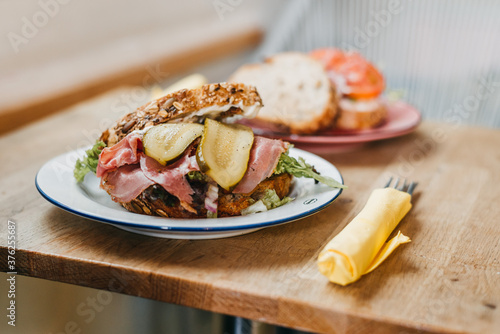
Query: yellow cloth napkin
{"points": [[359, 248]]}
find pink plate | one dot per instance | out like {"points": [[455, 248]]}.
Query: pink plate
{"points": [[402, 119]]}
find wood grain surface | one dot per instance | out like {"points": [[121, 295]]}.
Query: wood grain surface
{"points": [[446, 280]]}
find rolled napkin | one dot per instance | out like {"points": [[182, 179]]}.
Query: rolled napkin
{"points": [[359, 248]]}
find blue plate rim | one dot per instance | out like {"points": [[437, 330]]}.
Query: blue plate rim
{"points": [[214, 229]]}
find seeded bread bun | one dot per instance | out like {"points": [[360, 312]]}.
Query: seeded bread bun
{"points": [[297, 93], [215, 101], [218, 101], [360, 114]]}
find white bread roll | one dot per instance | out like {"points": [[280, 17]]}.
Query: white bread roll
{"points": [[360, 114], [297, 93]]}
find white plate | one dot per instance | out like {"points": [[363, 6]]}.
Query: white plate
{"points": [[56, 183]]}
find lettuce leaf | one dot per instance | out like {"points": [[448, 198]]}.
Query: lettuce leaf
{"points": [[269, 201], [89, 161], [299, 168]]}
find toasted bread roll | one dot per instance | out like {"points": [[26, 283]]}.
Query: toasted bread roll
{"points": [[299, 97], [156, 201], [188, 105]]}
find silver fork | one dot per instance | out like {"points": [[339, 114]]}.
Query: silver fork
{"points": [[409, 188]]}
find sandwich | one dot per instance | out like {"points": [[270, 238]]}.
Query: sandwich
{"points": [[359, 85], [298, 93], [183, 156]]}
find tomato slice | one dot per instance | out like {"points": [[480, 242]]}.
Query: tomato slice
{"points": [[354, 76], [331, 58]]}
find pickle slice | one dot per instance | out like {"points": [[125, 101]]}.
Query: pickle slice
{"points": [[224, 152], [167, 141]]}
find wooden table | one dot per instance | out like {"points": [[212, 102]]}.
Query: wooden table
{"points": [[446, 280]]}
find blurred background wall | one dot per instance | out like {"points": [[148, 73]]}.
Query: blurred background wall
{"points": [[441, 56]]}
